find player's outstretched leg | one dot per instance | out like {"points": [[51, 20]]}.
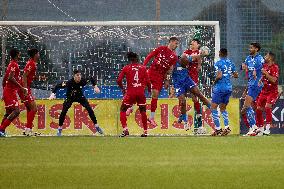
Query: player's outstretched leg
{"points": [[154, 104], [144, 120], [66, 105], [216, 119], [248, 110], [183, 117], [225, 116], [268, 112], [198, 112], [204, 100], [31, 112], [12, 114], [84, 102], [123, 120]]}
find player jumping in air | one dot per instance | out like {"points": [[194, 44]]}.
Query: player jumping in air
{"points": [[29, 100], [184, 84], [253, 63], [222, 90], [193, 71], [74, 93], [11, 85], [137, 80], [159, 71], [269, 93]]}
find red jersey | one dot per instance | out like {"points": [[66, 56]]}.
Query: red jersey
{"points": [[136, 77], [31, 68], [12, 67], [268, 86], [164, 59], [193, 66]]}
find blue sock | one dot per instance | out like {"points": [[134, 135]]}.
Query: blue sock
{"points": [[251, 116], [209, 106], [184, 117], [216, 120], [225, 116]]}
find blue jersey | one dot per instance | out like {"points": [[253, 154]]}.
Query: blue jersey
{"points": [[182, 81], [254, 63], [180, 74], [226, 66]]}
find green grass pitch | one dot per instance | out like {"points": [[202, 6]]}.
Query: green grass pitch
{"points": [[153, 162]]}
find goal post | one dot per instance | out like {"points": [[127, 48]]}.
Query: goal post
{"points": [[99, 49]]}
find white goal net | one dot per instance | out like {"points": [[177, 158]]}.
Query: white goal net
{"points": [[99, 48]]}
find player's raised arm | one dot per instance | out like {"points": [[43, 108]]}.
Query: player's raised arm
{"points": [[56, 88], [93, 81], [152, 54]]}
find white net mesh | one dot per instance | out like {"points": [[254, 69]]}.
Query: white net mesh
{"points": [[96, 50]]}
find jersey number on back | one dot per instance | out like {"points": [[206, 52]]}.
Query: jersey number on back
{"points": [[136, 78]]}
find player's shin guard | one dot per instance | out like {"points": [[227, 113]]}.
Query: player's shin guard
{"points": [[225, 116], [30, 118], [123, 120], [268, 112], [215, 116], [144, 121], [154, 103], [259, 118], [251, 117]]}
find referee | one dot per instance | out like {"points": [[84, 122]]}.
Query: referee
{"points": [[74, 93]]}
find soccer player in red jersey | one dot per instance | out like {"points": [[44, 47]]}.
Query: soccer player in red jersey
{"points": [[29, 100], [193, 71], [269, 93], [160, 71], [11, 84], [137, 80]]}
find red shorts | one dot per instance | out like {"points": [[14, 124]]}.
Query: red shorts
{"points": [[194, 76], [133, 97], [265, 97], [29, 98], [156, 79], [10, 98]]}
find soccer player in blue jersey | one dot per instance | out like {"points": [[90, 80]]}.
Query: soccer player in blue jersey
{"points": [[222, 90], [184, 84], [253, 64]]}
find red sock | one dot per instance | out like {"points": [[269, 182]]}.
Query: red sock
{"points": [[268, 112], [5, 124], [154, 102], [244, 116], [30, 118], [197, 107], [144, 121], [4, 118], [259, 118], [123, 119]]}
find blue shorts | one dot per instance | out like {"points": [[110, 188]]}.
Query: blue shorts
{"points": [[254, 91], [221, 97], [183, 87]]}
